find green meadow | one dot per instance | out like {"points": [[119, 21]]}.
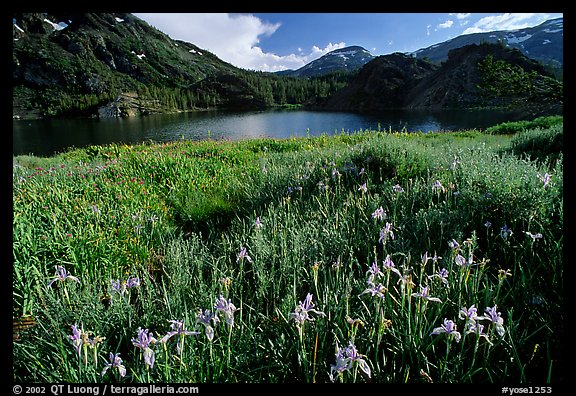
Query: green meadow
{"points": [[376, 256]]}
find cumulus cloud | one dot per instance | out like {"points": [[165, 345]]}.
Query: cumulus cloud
{"points": [[461, 15], [233, 38], [445, 25], [507, 21]]}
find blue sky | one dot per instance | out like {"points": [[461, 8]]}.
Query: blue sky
{"points": [[279, 41]]}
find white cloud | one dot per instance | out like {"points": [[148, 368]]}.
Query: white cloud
{"points": [[233, 38], [461, 15], [428, 30], [445, 25], [507, 21]]}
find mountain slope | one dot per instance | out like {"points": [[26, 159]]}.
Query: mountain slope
{"points": [[381, 83], [346, 59], [60, 59], [543, 43], [486, 75]]}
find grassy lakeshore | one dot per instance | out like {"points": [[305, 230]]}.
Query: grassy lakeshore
{"points": [[378, 257]]}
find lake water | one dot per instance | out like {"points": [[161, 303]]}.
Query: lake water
{"points": [[46, 137]]}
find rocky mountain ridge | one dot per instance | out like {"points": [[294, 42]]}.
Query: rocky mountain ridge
{"points": [[543, 43], [473, 76], [348, 59]]}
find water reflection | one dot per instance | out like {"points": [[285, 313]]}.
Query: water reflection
{"points": [[46, 137]]}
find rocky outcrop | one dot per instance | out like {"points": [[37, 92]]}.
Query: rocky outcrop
{"points": [[128, 105], [383, 83]]}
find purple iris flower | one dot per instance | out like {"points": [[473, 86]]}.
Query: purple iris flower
{"points": [[448, 327], [61, 275], [379, 214], [442, 274], [345, 360], [227, 308], [389, 265], [76, 338], [243, 255], [178, 328], [143, 341], [386, 233], [300, 315], [469, 314], [424, 295], [115, 363], [496, 319], [375, 289], [206, 318]]}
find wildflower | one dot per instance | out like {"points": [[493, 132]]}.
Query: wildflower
{"points": [[386, 233], [545, 179], [61, 275], [178, 329], [226, 282], [243, 255], [462, 262], [258, 223], [335, 173], [448, 327], [502, 274], [346, 358], [455, 162], [96, 210], [505, 231], [488, 224], [469, 314], [533, 236], [301, 314], [227, 308], [442, 274], [379, 214], [437, 186], [397, 188], [153, 219], [477, 328], [143, 341], [374, 270], [406, 281], [375, 290], [363, 188], [205, 318], [132, 282], [495, 318], [453, 244], [389, 265], [76, 338], [115, 363], [121, 287], [424, 295]]}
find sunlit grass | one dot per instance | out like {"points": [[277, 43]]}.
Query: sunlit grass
{"points": [[318, 259]]}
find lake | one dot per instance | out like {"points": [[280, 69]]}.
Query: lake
{"points": [[46, 137]]}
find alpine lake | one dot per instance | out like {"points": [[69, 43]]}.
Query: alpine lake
{"points": [[46, 137]]}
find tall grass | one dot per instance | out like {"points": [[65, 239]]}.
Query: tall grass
{"points": [[348, 258]]}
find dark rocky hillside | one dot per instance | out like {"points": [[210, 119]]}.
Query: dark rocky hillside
{"points": [[473, 76], [381, 84]]}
